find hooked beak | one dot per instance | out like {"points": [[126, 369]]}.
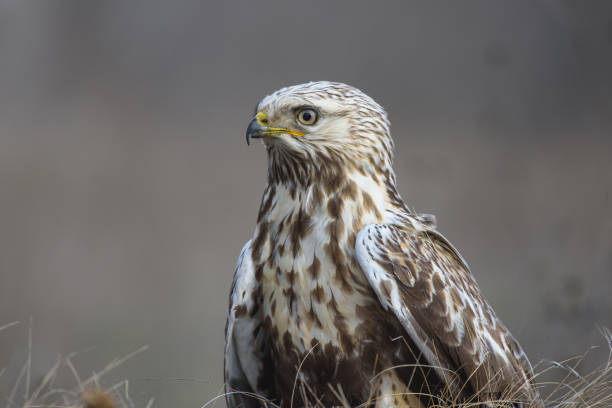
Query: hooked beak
{"points": [[258, 128], [255, 130]]}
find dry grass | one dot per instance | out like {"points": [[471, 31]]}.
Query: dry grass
{"points": [[89, 392], [573, 390], [592, 390], [569, 389]]}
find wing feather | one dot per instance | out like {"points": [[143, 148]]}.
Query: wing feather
{"points": [[424, 281], [245, 346]]}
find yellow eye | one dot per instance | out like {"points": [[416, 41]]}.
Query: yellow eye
{"points": [[307, 116]]}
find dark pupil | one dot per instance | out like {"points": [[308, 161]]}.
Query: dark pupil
{"points": [[306, 116]]}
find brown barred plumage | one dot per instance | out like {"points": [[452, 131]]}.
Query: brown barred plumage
{"points": [[341, 282]]}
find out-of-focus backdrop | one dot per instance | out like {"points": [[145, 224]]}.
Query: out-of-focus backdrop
{"points": [[127, 190]]}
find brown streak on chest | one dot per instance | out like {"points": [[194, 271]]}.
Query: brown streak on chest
{"points": [[313, 292], [259, 241], [267, 202], [299, 229]]}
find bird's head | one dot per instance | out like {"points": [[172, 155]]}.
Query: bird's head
{"points": [[312, 127]]}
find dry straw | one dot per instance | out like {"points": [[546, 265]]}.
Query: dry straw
{"points": [[84, 393], [570, 389]]}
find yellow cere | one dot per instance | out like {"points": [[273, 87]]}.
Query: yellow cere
{"points": [[262, 118]]}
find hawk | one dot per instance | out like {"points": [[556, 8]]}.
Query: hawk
{"points": [[343, 292]]}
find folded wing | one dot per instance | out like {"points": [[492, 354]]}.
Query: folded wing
{"points": [[246, 381], [422, 279]]}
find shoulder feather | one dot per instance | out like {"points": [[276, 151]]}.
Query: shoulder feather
{"points": [[424, 281]]}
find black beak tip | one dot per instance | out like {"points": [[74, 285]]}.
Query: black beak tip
{"points": [[254, 131]]}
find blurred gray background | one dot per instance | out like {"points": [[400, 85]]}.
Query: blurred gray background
{"points": [[127, 190]]}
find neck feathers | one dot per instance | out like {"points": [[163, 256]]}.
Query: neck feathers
{"points": [[338, 201]]}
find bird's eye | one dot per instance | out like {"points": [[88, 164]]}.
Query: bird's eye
{"points": [[307, 116]]}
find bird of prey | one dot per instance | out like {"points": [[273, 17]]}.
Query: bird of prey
{"points": [[344, 293]]}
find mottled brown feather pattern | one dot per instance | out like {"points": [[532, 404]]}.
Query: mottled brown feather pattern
{"points": [[305, 296], [445, 309]]}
